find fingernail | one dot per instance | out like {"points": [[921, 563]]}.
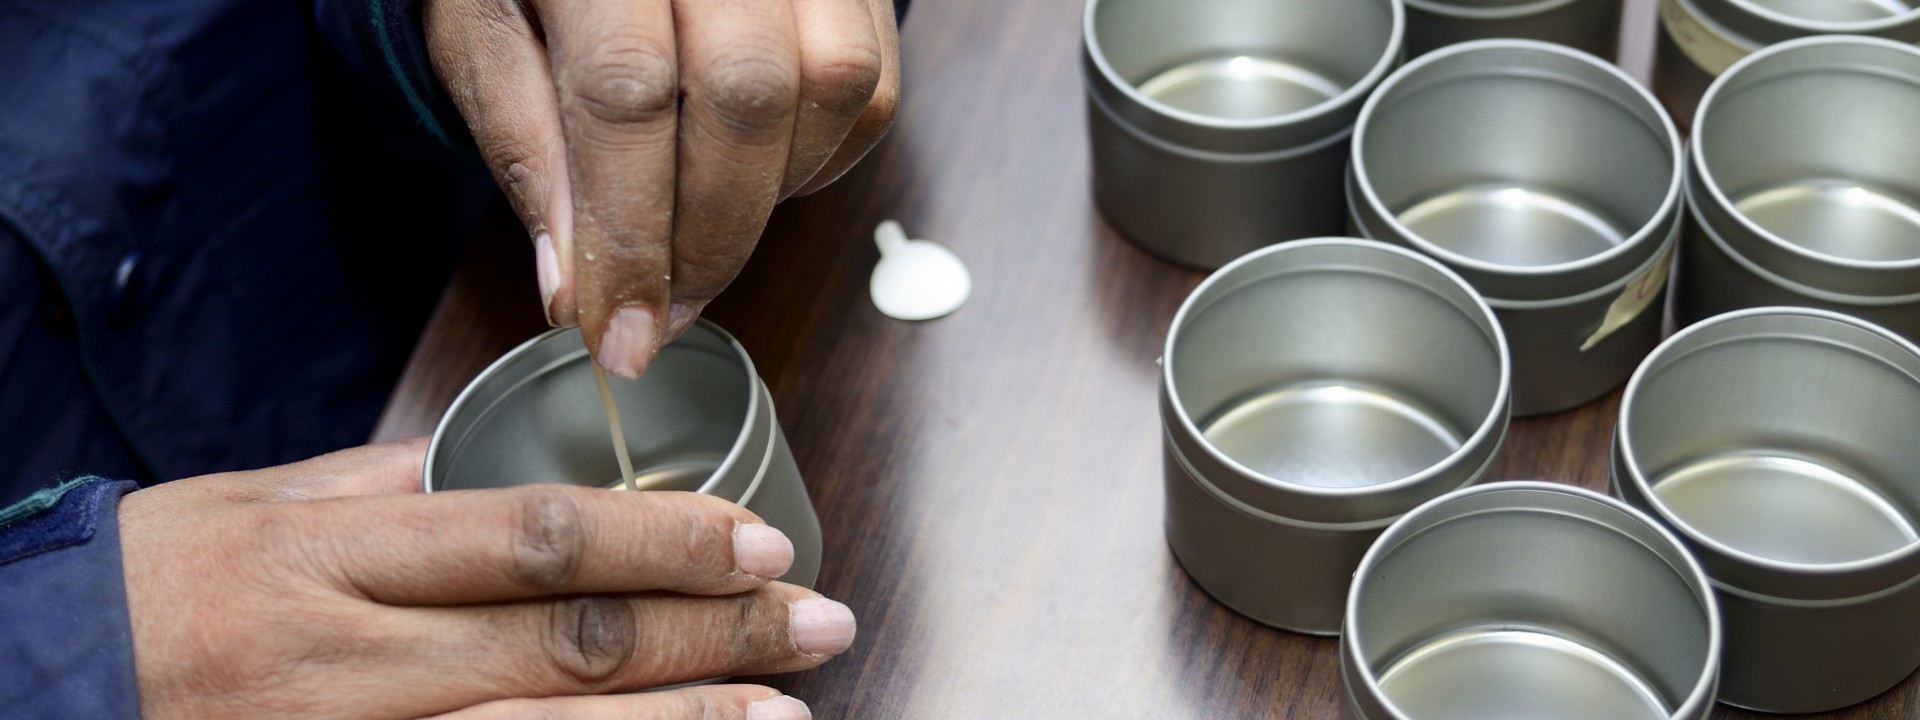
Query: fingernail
{"points": [[627, 346], [546, 264], [820, 626], [762, 550], [779, 708], [680, 316]]}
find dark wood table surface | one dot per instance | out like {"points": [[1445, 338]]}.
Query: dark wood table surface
{"points": [[989, 483]]}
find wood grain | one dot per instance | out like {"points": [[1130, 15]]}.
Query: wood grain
{"points": [[989, 483]]}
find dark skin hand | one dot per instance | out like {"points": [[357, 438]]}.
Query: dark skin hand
{"points": [[645, 142], [333, 588]]}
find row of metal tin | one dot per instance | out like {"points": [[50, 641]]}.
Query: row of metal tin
{"points": [[1332, 405]]}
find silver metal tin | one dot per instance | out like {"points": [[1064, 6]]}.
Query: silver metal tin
{"points": [[1221, 126], [700, 419], [1699, 39], [1588, 25], [1529, 600], [1779, 443], [1311, 393], [1804, 185], [1548, 179]]}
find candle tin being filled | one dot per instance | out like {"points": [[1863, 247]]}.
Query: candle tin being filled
{"points": [[1311, 393], [699, 420]]}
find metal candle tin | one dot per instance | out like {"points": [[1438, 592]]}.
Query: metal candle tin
{"points": [[1548, 179], [1700, 39], [1312, 392], [1589, 25], [700, 420], [1529, 600], [1804, 185], [1780, 444], [1220, 126]]}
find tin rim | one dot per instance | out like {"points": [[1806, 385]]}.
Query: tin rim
{"points": [[1496, 419], [749, 421], [1636, 475], [1669, 204], [1696, 703], [1697, 154], [1826, 26], [1389, 56], [1508, 12]]}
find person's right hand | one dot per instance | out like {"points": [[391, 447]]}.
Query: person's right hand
{"points": [[332, 588], [644, 143]]}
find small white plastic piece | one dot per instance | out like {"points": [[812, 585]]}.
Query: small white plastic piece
{"points": [[916, 279]]}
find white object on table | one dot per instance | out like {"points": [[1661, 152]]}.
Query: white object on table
{"points": [[916, 279]]}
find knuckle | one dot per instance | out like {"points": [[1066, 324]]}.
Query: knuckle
{"points": [[626, 82], [750, 92], [591, 638], [549, 539], [845, 80]]}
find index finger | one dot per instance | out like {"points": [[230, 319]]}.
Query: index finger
{"points": [[618, 84]]}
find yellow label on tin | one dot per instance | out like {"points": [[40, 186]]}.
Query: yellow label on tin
{"points": [[1635, 299], [1707, 46]]}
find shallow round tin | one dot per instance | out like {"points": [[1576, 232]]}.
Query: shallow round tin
{"points": [[1779, 443], [1312, 392], [699, 420], [1587, 25], [1220, 126], [1804, 184], [1529, 600], [1547, 178], [1699, 39]]}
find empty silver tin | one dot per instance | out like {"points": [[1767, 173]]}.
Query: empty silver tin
{"points": [[1588, 25], [1780, 444], [1804, 185], [1546, 178], [1529, 600], [1700, 39], [699, 420], [1220, 126], [1311, 393]]}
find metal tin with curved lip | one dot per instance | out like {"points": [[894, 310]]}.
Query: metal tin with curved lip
{"points": [[700, 419], [1591, 26], [1778, 444], [1803, 186], [1220, 126], [1529, 599], [1547, 178], [1311, 392]]}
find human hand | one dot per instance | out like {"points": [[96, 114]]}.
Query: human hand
{"points": [[644, 143], [332, 588]]}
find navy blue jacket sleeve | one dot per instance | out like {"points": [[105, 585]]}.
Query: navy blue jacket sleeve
{"points": [[64, 634]]}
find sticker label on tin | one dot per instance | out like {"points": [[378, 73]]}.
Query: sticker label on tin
{"points": [[1708, 47], [1633, 300]]}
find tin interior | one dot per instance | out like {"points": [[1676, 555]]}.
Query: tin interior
{"points": [[1242, 59], [1530, 604], [1336, 366], [1836, 11], [1785, 142], [1786, 437], [1514, 156], [537, 418]]}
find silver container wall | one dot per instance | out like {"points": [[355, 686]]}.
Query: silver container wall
{"points": [[1591, 26], [1699, 40], [1779, 444], [1529, 600], [1546, 178], [1804, 185], [1221, 126], [699, 420], [1311, 393]]}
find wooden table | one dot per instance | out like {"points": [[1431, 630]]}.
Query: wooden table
{"points": [[989, 483]]}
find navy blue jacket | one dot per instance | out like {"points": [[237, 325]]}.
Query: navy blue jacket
{"points": [[222, 225]]}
